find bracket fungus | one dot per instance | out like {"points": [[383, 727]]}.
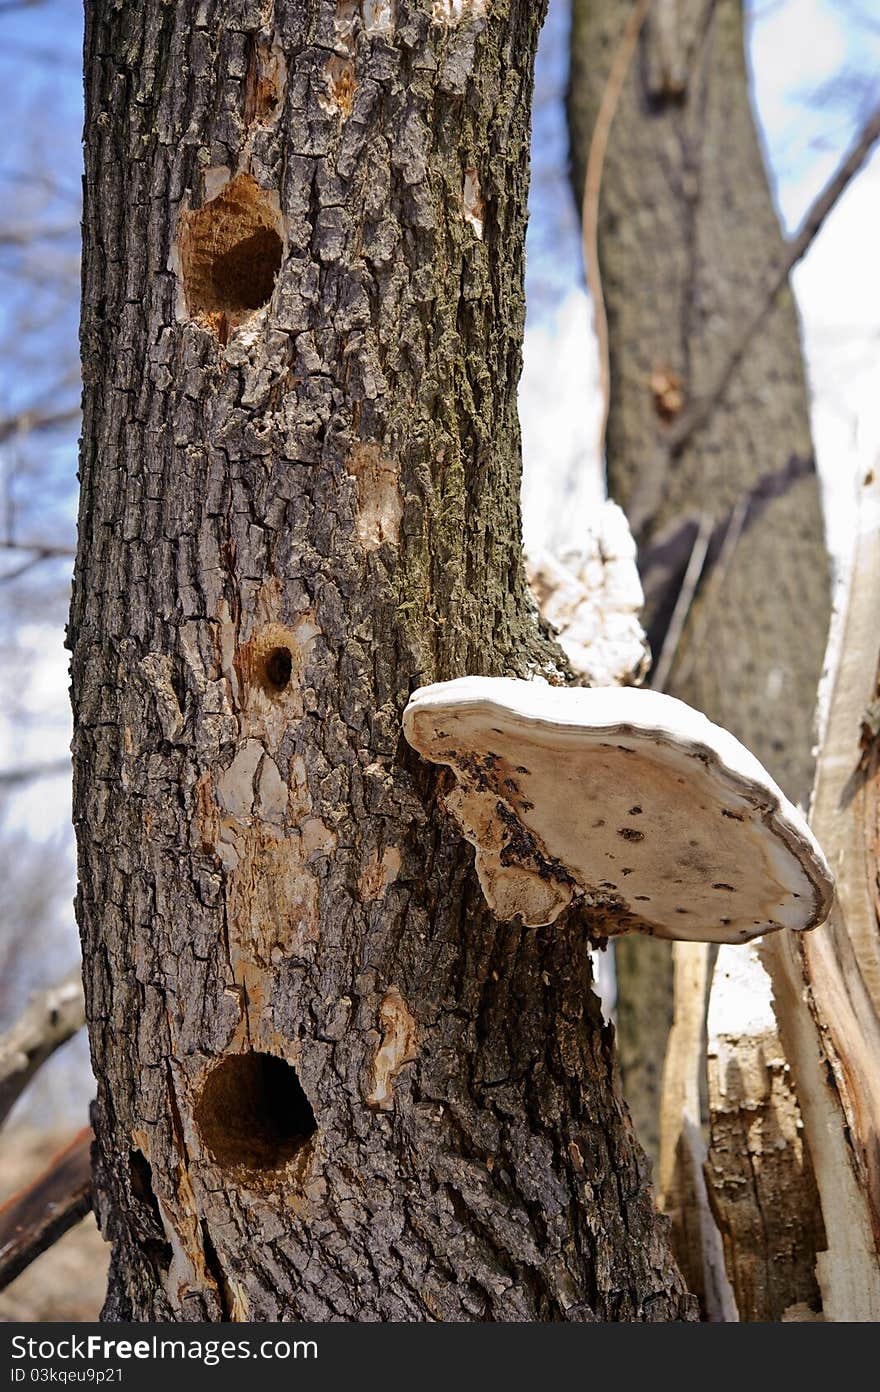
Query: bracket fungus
{"points": [[629, 800]]}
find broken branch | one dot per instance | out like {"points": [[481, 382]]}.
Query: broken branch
{"points": [[34, 1219], [49, 1021]]}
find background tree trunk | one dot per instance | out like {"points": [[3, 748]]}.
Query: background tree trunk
{"points": [[686, 226], [686, 229], [330, 1086]]}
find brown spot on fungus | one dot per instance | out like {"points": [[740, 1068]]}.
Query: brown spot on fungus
{"points": [[630, 834]]}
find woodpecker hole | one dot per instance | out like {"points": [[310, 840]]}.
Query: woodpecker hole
{"points": [[278, 669], [253, 1113], [152, 1239], [272, 660], [231, 252]]}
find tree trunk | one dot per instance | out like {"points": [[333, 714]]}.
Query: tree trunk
{"points": [[686, 228], [330, 1085]]}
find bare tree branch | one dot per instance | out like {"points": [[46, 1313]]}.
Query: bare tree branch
{"points": [[775, 278], [26, 422], [48, 1022], [663, 561], [43, 550], [41, 179], [28, 773], [38, 554], [19, 570], [715, 585], [685, 599], [34, 1219], [26, 236]]}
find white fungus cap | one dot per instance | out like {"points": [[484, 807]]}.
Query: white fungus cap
{"points": [[660, 821]]}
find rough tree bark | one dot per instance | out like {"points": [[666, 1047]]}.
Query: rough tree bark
{"points": [[686, 229], [330, 1086]]}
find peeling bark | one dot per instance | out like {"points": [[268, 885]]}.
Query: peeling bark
{"points": [[758, 1171], [330, 1086]]}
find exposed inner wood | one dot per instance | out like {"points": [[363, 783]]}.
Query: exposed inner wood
{"points": [[834, 1043], [231, 251], [758, 1170]]}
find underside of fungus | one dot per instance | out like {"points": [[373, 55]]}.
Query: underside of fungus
{"points": [[629, 800]]}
